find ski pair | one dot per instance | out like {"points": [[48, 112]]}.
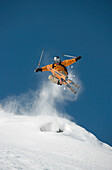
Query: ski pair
{"points": [[69, 87], [73, 83], [64, 79]]}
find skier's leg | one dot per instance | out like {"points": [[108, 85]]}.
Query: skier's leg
{"points": [[53, 79], [64, 74]]}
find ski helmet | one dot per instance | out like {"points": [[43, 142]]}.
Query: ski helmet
{"points": [[57, 59]]}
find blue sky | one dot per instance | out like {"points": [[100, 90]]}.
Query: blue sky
{"points": [[61, 27]]}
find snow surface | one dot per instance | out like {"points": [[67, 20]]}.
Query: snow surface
{"points": [[24, 146], [30, 138]]}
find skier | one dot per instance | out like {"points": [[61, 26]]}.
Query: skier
{"points": [[59, 66]]}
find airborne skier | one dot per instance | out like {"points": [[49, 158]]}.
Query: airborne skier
{"points": [[59, 66]]}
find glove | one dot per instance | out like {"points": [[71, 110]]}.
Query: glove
{"points": [[38, 69], [77, 58]]}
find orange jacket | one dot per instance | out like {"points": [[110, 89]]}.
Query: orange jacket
{"points": [[62, 66]]}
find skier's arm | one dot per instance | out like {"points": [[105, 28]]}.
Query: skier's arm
{"points": [[71, 61], [42, 68]]}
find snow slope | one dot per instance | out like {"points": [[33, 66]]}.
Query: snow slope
{"points": [[30, 138], [32, 143]]}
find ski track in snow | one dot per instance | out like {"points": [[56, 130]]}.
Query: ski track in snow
{"points": [[24, 147]]}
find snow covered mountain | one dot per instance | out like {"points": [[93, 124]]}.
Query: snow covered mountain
{"points": [[47, 141]]}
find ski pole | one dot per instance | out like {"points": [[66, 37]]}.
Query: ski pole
{"points": [[69, 56], [41, 57]]}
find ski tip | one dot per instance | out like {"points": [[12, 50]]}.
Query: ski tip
{"points": [[78, 87], [75, 92]]}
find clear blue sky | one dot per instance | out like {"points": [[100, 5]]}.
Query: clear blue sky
{"points": [[60, 26]]}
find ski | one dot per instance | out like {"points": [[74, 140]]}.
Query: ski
{"points": [[73, 83], [70, 87]]}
